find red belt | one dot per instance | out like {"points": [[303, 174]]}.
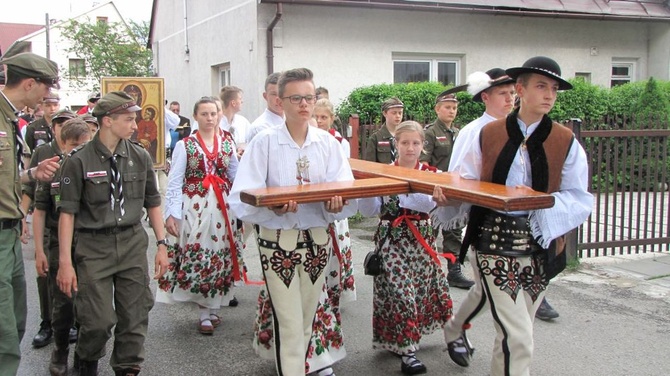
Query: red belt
{"points": [[409, 221]]}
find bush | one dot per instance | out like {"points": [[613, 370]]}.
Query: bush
{"points": [[418, 97], [583, 101]]}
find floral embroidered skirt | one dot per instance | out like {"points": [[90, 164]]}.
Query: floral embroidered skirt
{"points": [[326, 344], [201, 263], [411, 297], [343, 240]]}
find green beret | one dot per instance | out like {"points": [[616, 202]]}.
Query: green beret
{"points": [[28, 64], [392, 103], [63, 115], [116, 102]]}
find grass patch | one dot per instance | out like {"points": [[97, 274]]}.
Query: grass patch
{"points": [[658, 277], [356, 218], [573, 264]]}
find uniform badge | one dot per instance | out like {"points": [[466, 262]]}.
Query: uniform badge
{"points": [[3, 134], [130, 163], [96, 174], [55, 184], [66, 180], [383, 143], [441, 138]]}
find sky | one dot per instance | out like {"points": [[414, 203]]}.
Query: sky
{"points": [[33, 11]]}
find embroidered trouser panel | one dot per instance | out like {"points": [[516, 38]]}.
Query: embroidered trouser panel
{"points": [[294, 281], [473, 304], [513, 299]]}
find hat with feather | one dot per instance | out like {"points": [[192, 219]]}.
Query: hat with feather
{"points": [[480, 81]]}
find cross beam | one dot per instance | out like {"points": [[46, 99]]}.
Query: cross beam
{"points": [[376, 179]]}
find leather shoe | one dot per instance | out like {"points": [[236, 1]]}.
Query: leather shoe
{"points": [[58, 363], [413, 367], [127, 372], [73, 335], [546, 312], [44, 336], [233, 302], [461, 350]]}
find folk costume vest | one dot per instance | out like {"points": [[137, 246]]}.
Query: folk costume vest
{"points": [[547, 146]]}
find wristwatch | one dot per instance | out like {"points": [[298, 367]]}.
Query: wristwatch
{"points": [[30, 175], [163, 241]]}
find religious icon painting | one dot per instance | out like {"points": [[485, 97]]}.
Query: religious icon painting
{"points": [[149, 94]]}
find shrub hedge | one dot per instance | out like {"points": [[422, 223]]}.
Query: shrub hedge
{"points": [[594, 104]]}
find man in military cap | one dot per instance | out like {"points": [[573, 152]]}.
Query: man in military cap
{"points": [[39, 131], [381, 145], [43, 152], [440, 138], [69, 132], [92, 123], [103, 187], [30, 77]]}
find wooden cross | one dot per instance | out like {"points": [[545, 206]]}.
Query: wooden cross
{"points": [[377, 179]]}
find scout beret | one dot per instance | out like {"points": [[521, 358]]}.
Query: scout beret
{"points": [[63, 115], [28, 64], [392, 103], [450, 94], [544, 66], [115, 102]]}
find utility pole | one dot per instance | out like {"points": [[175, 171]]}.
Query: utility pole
{"points": [[46, 17]]}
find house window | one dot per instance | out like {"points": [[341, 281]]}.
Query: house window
{"points": [[585, 76], [102, 20], [441, 69], [77, 68], [622, 73], [224, 75], [220, 77]]}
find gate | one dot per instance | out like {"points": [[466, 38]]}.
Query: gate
{"points": [[629, 168]]}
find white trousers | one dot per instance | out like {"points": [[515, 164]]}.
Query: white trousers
{"points": [[294, 280], [512, 310]]}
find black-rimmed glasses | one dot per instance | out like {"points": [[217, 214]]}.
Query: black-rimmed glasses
{"points": [[296, 99]]}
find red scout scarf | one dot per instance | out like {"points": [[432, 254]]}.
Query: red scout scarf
{"points": [[410, 218]]}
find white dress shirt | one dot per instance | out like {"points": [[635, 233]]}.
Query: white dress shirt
{"points": [[270, 161], [268, 119], [573, 202], [171, 123], [465, 137]]}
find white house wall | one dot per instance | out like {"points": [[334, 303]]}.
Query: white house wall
{"points": [[218, 32], [351, 47]]}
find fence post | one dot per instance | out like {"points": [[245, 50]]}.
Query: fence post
{"points": [[354, 142]]}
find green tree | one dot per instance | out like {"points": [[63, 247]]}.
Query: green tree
{"points": [[108, 50]]}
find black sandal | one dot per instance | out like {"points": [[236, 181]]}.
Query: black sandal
{"points": [[415, 367], [461, 350]]}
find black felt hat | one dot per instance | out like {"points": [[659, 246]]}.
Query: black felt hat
{"points": [[478, 82], [544, 66]]}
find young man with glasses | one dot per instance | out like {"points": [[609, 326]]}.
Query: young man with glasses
{"points": [[293, 239]]}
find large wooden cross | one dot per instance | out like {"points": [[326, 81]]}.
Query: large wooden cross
{"points": [[377, 179]]}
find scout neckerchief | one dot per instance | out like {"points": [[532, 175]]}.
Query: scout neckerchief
{"points": [[18, 140], [117, 187], [538, 163]]}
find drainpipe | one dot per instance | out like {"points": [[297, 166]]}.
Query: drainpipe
{"points": [[270, 39], [186, 50]]}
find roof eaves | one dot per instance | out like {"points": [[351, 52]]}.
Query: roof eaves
{"points": [[475, 7]]}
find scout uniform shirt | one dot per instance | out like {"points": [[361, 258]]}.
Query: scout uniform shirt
{"points": [[438, 145], [86, 185], [10, 188], [42, 194], [38, 133], [379, 146]]}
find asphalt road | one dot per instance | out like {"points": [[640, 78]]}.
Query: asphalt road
{"points": [[608, 326]]}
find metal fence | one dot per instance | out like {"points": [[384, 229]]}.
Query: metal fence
{"points": [[629, 165], [629, 168]]}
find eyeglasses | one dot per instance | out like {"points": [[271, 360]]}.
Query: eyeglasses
{"points": [[297, 99]]}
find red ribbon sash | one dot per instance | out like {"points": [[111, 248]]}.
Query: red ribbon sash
{"points": [[216, 183], [409, 221]]}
